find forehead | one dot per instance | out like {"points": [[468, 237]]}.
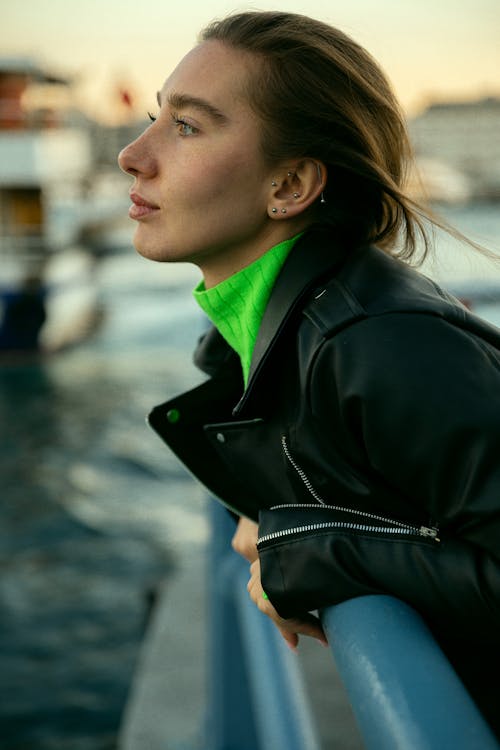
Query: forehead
{"points": [[215, 72]]}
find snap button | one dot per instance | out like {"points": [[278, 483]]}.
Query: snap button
{"points": [[173, 415], [221, 437]]}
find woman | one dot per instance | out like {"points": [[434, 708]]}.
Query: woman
{"points": [[352, 408]]}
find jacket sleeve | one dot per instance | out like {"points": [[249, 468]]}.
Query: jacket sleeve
{"points": [[415, 401], [453, 584]]}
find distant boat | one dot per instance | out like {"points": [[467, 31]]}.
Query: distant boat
{"points": [[47, 290]]}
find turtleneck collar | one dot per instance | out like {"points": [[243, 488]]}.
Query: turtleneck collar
{"points": [[236, 305]]}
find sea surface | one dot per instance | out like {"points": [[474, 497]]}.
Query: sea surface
{"points": [[95, 512]]}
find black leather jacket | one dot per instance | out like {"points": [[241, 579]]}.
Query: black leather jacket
{"points": [[367, 442]]}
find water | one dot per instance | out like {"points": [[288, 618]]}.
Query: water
{"points": [[95, 511], [92, 512]]}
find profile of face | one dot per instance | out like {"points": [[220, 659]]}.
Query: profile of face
{"points": [[202, 191], [201, 186]]}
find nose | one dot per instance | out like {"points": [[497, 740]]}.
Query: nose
{"points": [[137, 158]]}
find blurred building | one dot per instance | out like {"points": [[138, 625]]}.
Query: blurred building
{"points": [[108, 141], [457, 146]]}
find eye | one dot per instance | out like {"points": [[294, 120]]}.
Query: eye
{"points": [[184, 128]]}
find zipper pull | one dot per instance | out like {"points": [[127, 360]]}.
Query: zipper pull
{"points": [[432, 533]]}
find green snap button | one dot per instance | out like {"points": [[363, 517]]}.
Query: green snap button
{"points": [[173, 415]]}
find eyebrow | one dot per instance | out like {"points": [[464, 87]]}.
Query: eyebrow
{"points": [[180, 101]]}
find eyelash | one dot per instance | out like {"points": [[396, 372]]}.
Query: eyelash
{"points": [[179, 122]]}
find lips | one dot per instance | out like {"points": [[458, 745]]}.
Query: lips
{"points": [[141, 208]]}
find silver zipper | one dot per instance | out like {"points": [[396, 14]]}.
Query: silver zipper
{"points": [[340, 525], [422, 531], [300, 472], [393, 528]]}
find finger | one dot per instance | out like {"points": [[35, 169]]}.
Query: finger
{"points": [[307, 625], [291, 639], [254, 580], [244, 540], [255, 567]]}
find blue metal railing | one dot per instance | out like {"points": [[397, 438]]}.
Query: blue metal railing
{"points": [[256, 699], [404, 693]]}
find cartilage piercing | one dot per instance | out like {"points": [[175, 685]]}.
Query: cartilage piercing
{"points": [[296, 195], [274, 183], [323, 199]]}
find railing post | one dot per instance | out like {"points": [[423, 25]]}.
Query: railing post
{"points": [[230, 720], [256, 699], [403, 690]]}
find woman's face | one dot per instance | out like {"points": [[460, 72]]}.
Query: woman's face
{"points": [[202, 190]]}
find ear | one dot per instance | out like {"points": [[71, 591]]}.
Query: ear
{"points": [[297, 187]]}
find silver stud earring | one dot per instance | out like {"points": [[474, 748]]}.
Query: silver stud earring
{"points": [[274, 210], [283, 210], [273, 183], [296, 195]]}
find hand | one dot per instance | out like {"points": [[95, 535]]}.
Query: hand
{"points": [[290, 629], [244, 541]]}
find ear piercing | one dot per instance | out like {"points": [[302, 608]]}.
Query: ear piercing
{"points": [[274, 210], [323, 199], [297, 195], [274, 183]]}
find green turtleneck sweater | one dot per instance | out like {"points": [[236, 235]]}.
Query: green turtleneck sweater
{"points": [[236, 305]]}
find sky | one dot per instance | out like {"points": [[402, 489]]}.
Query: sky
{"points": [[430, 49]]}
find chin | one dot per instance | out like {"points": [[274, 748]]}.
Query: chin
{"points": [[149, 250], [155, 248], [159, 254], [150, 254]]}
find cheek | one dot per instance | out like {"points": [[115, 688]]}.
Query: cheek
{"points": [[228, 175], [219, 176]]}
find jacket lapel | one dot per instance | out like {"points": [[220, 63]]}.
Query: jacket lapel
{"points": [[314, 256]]}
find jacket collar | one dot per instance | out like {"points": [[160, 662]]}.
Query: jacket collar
{"points": [[316, 254]]}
